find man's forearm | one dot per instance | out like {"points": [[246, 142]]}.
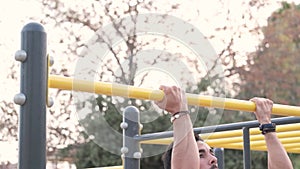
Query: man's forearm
{"points": [[185, 151], [277, 156]]}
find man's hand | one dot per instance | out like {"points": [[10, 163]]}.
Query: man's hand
{"points": [[174, 99], [277, 156], [263, 109]]}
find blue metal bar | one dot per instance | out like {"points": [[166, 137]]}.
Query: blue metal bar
{"points": [[32, 126], [221, 127], [219, 153], [131, 147], [246, 152]]}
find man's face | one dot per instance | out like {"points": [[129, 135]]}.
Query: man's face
{"points": [[207, 157]]}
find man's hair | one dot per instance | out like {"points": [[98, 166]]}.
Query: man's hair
{"points": [[167, 156]]}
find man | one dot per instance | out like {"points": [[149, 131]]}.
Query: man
{"points": [[190, 153]]}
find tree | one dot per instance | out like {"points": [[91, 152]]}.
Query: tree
{"points": [[79, 20], [89, 17], [273, 71], [125, 74]]}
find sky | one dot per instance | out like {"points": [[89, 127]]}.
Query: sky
{"points": [[14, 14]]}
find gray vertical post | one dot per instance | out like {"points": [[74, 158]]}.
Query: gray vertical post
{"points": [[219, 153], [246, 152], [32, 125], [131, 147]]}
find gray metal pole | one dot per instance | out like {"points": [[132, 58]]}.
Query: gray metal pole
{"points": [[131, 147], [220, 127], [246, 152], [32, 125], [219, 153]]}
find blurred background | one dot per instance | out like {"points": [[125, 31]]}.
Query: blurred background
{"points": [[257, 44]]}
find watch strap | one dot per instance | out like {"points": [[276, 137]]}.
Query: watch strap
{"points": [[267, 128]]}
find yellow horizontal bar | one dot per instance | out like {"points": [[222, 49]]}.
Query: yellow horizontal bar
{"points": [[283, 141], [112, 167], [288, 134], [256, 144], [260, 148], [263, 148], [289, 146], [292, 145], [112, 89], [294, 151], [256, 140], [163, 141], [253, 131], [224, 134], [282, 131]]}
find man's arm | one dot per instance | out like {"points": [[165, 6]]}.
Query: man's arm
{"points": [[185, 151], [277, 156]]}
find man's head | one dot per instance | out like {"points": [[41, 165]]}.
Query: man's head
{"points": [[206, 155], [208, 159]]}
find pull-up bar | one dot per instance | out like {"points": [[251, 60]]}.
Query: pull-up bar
{"points": [[33, 94], [113, 89]]}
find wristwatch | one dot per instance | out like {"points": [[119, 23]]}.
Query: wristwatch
{"points": [[178, 115], [267, 128]]}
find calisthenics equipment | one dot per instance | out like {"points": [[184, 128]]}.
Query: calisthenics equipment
{"points": [[113, 89], [33, 95], [216, 142], [225, 134], [253, 131], [288, 134]]}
